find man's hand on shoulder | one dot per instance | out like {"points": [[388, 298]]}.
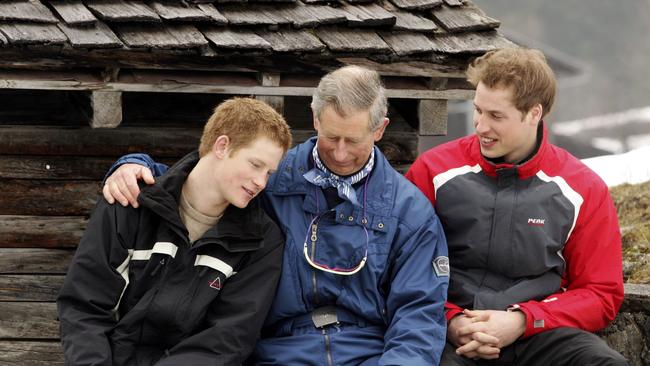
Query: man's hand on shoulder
{"points": [[122, 185]]}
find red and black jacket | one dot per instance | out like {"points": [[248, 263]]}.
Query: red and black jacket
{"points": [[542, 236]]}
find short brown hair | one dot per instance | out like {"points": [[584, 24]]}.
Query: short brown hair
{"points": [[524, 71], [243, 120]]}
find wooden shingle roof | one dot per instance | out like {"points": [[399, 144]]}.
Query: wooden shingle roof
{"points": [[313, 31]]}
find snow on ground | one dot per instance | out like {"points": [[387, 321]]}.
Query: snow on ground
{"points": [[631, 167]]}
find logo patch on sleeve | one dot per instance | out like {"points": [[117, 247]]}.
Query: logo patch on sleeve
{"points": [[441, 266]]}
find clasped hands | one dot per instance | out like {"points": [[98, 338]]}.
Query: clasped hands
{"points": [[482, 333]]}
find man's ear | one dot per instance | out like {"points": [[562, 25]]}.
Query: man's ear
{"points": [[221, 146], [379, 133], [536, 113]]}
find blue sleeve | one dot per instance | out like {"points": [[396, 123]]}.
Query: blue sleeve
{"points": [[157, 169], [418, 291]]}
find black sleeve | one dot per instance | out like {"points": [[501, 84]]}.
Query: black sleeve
{"points": [[238, 314], [92, 289]]}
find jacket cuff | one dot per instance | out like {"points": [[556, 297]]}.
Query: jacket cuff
{"points": [[136, 158], [451, 310], [534, 318]]}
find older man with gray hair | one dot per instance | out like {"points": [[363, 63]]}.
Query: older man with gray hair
{"points": [[365, 268]]}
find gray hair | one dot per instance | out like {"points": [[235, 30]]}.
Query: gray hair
{"points": [[352, 89]]}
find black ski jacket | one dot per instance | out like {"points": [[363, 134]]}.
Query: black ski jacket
{"points": [[137, 293]]}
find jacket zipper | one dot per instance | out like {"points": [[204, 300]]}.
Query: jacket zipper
{"points": [[328, 348], [313, 273]]}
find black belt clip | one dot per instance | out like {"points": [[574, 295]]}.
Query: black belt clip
{"points": [[324, 316]]}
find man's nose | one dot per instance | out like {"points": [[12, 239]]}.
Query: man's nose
{"points": [[260, 181], [341, 151]]}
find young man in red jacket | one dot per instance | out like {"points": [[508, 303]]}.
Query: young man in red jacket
{"points": [[533, 236]]}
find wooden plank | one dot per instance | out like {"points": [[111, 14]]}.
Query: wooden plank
{"points": [[53, 167], [240, 39], [29, 33], [213, 13], [464, 19], [311, 16], [178, 11], [41, 231], [407, 43], [292, 41], [96, 35], [122, 11], [21, 353], [368, 15], [405, 20], [32, 11], [42, 197], [34, 261], [351, 40], [432, 117], [328, 14], [106, 108], [30, 287], [253, 15], [179, 86], [454, 2], [417, 4], [84, 141], [73, 12], [409, 69], [160, 36], [479, 42], [32, 320], [159, 142]]}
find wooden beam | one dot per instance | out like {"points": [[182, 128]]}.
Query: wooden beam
{"points": [[107, 109], [271, 79], [40, 231], [31, 353], [181, 87], [32, 320], [30, 287], [48, 197], [84, 141], [54, 167], [34, 260], [157, 142], [432, 117]]}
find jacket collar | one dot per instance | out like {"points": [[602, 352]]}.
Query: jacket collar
{"points": [[525, 170], [289, 180], [244, 225]]}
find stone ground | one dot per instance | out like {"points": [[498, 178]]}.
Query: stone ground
{"points": [[633, 204], [629, 333]]}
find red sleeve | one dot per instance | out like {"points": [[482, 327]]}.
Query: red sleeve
{"points": [[593, 278], [420, 175], [451, 310]]}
